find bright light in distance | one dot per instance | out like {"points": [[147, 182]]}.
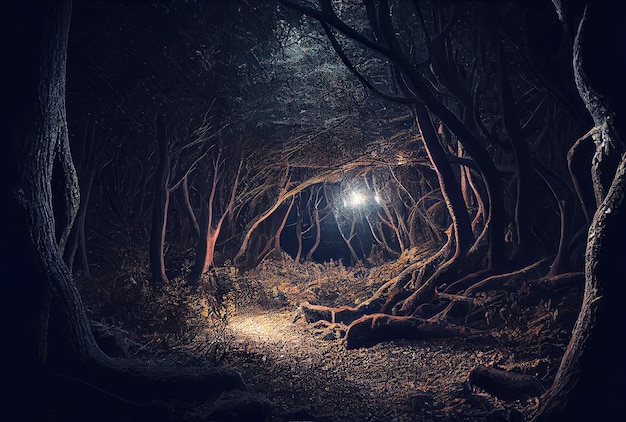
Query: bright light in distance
{"points": [[355, 200]]}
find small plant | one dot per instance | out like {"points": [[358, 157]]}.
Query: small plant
{"points": [[208, 306]]}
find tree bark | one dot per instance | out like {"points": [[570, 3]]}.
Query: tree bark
{"points": [[160, 207], [36, 280], [450, 187], [39, 149], [592, 368], [591, 372]]}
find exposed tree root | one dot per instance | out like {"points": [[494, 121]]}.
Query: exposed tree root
{"points": [[426, 291], [496, 281], [395, 289], [468, 280], [549, 284], [383, 300], [396, 298], [371, 329], [418, 301], [491, 282], [138, 382], [343, 314]]}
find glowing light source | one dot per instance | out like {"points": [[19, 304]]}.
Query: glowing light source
{"points": [[355, 200], [360, 199]]}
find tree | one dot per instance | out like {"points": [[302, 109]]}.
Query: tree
{"points": [[55, 334], [217, 205], [46, 145], [91, 155], [589, 352], [450, 79], [526, 145]]}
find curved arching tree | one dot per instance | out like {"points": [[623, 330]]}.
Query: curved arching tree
{"points": [[504, 90], [461, 67]]}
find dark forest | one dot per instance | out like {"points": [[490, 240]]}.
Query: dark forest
{"points": [[314, 210]]}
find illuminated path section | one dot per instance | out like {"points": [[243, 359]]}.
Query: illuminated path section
{"points": [[295, 365], [270, 328]]}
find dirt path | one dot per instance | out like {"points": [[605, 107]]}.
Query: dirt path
{"points": [[301, 367]]}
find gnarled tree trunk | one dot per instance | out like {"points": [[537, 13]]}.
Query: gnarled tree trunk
{"points": [[589, 384], [36, 281]]}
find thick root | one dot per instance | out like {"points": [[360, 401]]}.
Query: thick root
{"points": [[145, 382], [344, 314], [372, 329]]}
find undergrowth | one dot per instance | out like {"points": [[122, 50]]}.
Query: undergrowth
{"points": [[193, 320]]}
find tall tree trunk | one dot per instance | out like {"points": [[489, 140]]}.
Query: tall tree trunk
{"points": [[450, 187], [524, 167], [589, 383], [160, 207], [210, 231], [40, 142], [205, 249], [87, 167]]}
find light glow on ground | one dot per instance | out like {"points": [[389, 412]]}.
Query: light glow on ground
{"points": [[260, 328]]}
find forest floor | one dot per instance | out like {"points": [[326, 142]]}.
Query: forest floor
{"points": [[307, 373]]}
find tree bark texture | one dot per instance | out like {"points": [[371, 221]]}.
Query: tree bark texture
{"points": [[43, 144], [35, 279], [589, 383], [592, 368]]}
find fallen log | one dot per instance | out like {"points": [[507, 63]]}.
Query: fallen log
{"points": [[372, 329], [504, 384]]}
